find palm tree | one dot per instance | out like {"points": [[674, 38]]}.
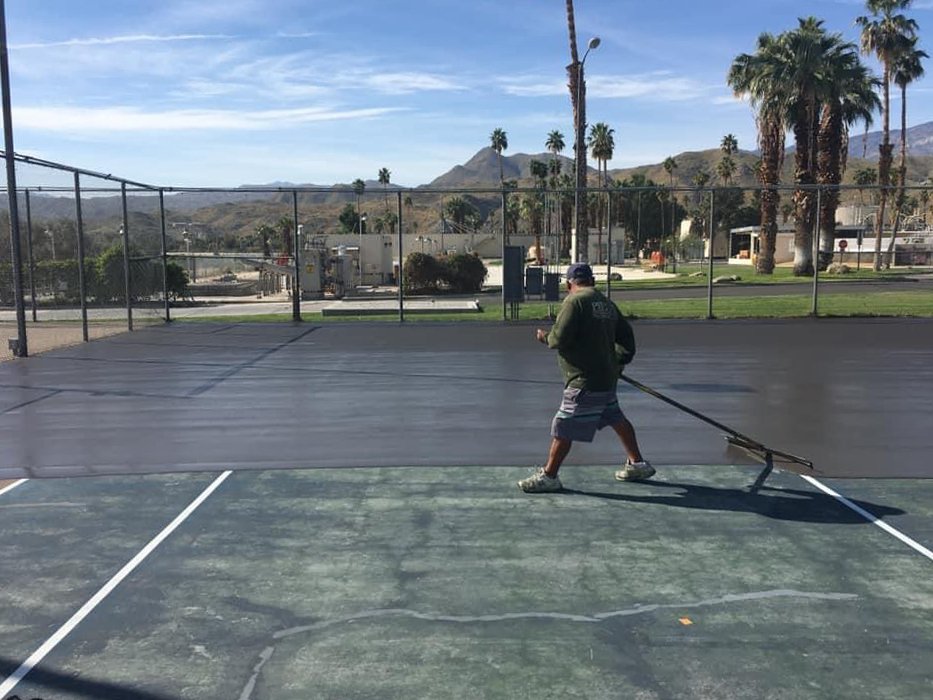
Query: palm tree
{"points": [[601, 143], [499, 141], [555, 143], [726, 170], [851, 97], [886, 34], [409, 207], [729, 144], [384, 177], [908, 67], [265, 233], [670, 165], [754, 75], [285, 226]]}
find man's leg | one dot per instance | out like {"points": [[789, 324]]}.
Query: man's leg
{"points": [[636, 468], [560, 447], [626, 432]]}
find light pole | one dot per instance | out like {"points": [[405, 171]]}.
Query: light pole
{"points": [[362, 219], [580, 148]]}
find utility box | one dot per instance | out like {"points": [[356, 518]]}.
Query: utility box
{"points": [[512, 267], [552, 286], [312, 274], [534, 281]]}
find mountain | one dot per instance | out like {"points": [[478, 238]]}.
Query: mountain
{"points": [[919, 142], [483, 169]]}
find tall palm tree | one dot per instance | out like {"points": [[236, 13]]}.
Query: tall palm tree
{"points": [[908, 67], [554, 144], [851, 97], [499, 141], [886, 33], [754, 75], [670, 165], [409, 207], [384, 178], [729, 144], [602, 144]]}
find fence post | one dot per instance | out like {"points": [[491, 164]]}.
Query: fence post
{"points": [[609, 245], [296, 285], [816, 254], [401, 263], [127, 281], [32, 260], [82, 282], [505, 316], [712, 240], [168, 316], [21, 346]]}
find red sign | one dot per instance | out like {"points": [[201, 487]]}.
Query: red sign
{"points": [[842, 244]]}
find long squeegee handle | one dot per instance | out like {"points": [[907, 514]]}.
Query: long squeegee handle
{"points": [[695, 414]]}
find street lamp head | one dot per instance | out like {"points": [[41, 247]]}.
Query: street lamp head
{"points": [[593, 43]]}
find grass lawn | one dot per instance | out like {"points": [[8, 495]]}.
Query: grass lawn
{"points": [[919, 303], [782, 275]]}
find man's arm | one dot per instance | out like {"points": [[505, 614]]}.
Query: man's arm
{"points": [[562, 330], [625, 341]]}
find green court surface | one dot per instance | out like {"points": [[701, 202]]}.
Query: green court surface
{"points": [[432, 582]]}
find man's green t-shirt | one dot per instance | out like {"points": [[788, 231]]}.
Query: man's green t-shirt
{"points": [[592, 339]]}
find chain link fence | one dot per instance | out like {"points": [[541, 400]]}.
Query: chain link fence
{"points": [[103, 255]]}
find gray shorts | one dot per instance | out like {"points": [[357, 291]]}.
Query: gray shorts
{"points": [[583, 412]]}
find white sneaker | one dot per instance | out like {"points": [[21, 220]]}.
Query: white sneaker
{"points": [[539, 482], [635, 471]]}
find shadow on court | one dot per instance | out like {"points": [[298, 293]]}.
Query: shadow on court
{"points": [[57, 682], [776, 503]]}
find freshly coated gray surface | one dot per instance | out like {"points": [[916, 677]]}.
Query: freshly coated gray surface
{"points": [[855, 396], [439, 583]]}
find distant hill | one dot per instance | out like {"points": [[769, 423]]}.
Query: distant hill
{"points": [[483, 169], [919, 142]]}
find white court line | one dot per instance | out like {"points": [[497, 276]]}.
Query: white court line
{"points": [[106, 590], [10, 487], [913, 544]]}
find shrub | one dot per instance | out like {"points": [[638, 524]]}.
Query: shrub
{"points": [[464, 273], [422, 273]]}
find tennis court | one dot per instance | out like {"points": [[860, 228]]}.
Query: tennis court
{"points": [[295, 511]]}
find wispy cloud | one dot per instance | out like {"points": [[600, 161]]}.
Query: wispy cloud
{"points": [[128, 39], [113, 119], [405, 83], [659, 87]]}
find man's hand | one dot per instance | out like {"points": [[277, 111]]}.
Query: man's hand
{"points": [[541, 336]]}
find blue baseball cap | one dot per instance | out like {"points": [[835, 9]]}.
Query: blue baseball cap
{"points": [[579, 271]]}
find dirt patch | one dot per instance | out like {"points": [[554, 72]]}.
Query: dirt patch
{"points": [[49, 335]]}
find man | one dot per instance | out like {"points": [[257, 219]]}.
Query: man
{"points": [[593, 343]]}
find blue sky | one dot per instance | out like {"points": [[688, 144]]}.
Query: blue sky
{"points": [[228, 92]]}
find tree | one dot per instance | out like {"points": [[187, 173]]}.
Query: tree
{"points": [[729, 144], [460, 210], [886, 33], [726, 170], [358, 188], [286, 226], [908, 67], [265, 233], [499, 141], [751, 74], [865, 177], [384, 178], [670, 165], [602, 145], [850, 97], [349, 219], [555, 145]]}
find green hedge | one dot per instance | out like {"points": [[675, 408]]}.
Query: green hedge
{"points": [[103, 278], [460, 273]]}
